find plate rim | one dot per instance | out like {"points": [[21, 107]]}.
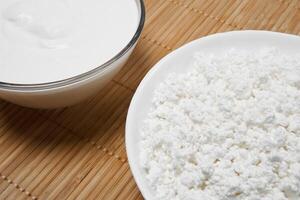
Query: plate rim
{"points": [[139, 91]]}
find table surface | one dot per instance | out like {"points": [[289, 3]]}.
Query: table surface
{"points": [[79, 152]]}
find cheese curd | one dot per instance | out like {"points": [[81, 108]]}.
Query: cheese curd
{"points": [[228, 129]]}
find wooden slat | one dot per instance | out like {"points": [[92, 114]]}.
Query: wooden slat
{"points": [[79, 152]]}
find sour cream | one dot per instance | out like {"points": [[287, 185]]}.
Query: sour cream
{"points": [[50, 40]]}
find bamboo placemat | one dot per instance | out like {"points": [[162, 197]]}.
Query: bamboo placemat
{"points": [[79, 152]]}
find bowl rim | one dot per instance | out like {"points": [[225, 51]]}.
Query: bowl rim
{"points": [[89, 74]]}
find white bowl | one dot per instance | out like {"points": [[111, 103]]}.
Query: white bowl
{"points": [[72, 90], [179, 62]]}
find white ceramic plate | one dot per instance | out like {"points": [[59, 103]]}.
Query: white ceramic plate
{"points": [[179, 61]]}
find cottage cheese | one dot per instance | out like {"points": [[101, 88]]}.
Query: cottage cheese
{"points": [[229, 129]]}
